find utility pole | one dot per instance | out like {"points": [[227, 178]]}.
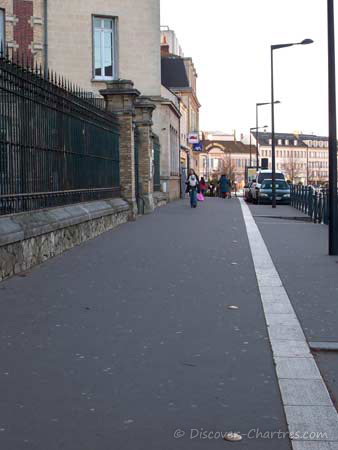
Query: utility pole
{"points": [[333, 216]]}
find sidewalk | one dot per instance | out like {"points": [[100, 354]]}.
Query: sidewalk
{"points": [[300, 253], [122, 341]]}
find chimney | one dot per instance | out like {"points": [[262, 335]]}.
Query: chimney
{"points": [[165, 50]]}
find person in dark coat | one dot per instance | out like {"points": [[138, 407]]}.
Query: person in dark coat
{"points": [[224, 184]]}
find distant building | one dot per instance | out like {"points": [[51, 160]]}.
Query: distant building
{"points": [[229, 157], [168, 37], [304, 158]]}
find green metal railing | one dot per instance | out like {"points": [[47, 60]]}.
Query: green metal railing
{"points": [[311, 202]]}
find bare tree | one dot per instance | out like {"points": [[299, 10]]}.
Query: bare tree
{"points": [[292, 168], [229, 167]]}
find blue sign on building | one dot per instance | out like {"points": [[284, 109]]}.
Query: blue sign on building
{"points": [[197, 147]]}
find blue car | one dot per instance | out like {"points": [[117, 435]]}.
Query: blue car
{"points": [[283, 193]]}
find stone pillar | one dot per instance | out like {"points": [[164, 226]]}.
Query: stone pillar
{"points": [[120, 97], [144, 112]]}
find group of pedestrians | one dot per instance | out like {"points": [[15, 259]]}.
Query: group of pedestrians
{"points": [[198, 187]]}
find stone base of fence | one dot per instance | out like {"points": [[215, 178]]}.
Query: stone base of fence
{"points": [[31, 238], [160, 199]]}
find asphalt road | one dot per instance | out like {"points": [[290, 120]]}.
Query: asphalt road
{"points": [[118, 343]]}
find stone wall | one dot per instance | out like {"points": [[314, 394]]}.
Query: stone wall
{"points": [[31, 238], [174, 188], [160, 199]]}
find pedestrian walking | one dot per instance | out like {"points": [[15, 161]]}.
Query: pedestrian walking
{"points": [[235, 188], [193, 187], [213, 187], [203, 186], [224, 186]]}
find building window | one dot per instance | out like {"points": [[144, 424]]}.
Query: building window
{"points": [[2, 30], [279, 141], [270, 141], [104, 48], [295, 142], [286, 141]]}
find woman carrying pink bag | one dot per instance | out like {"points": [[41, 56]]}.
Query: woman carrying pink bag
{"points": [[200, 197]]}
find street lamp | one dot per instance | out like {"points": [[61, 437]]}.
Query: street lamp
{"points": [[333, 214], [257, 105], [276, 47], [255, 129]]}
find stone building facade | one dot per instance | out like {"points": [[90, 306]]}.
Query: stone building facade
{"points": [[180, 76], [89, 42], [166, 119], [22, 27], [96, 43]]}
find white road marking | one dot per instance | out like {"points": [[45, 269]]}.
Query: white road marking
{"points": [[295, 366]]}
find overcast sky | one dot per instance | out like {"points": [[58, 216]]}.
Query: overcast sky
{"points": [[229, 41]]}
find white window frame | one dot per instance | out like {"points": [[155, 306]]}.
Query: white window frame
{"points": [[295, 142], [114, 34]]}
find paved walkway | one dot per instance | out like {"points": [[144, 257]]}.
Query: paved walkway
{"points": [[128, 338], [300, 253]]}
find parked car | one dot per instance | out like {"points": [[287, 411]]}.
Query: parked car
{"points": [[247, 192], [262, 174], [283, 194]]}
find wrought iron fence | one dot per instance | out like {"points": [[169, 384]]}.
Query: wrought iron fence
{"points": [[312, 202], [157, 169], [57, 146]]}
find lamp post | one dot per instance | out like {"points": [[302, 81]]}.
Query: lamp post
{"points": [[276, 47], [257, 127], [333, 214]]}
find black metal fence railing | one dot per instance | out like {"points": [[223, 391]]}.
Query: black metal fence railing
{"points": [[98, 102], [157, 168], [57, 146], [311, 202]]}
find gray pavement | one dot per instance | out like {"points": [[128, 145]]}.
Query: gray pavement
{"points": [[120, 342], [300, 253]]}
